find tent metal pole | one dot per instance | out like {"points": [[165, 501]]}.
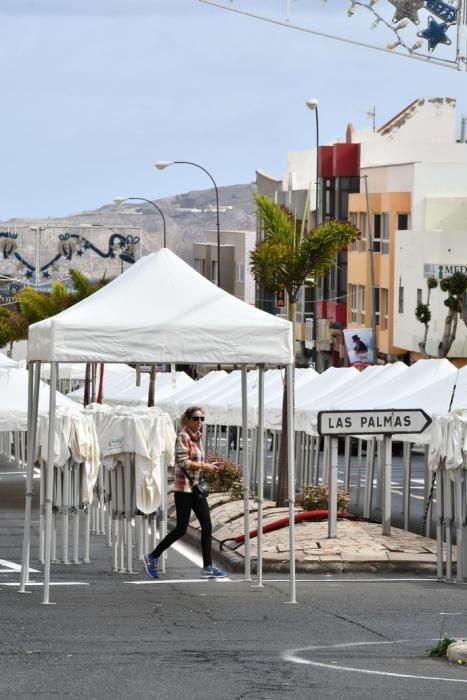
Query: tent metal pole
{"points": [[66, 511], [163, 508], [439, 522], [246, 473], [260, 474], [49, 480], [291, 474], [33, 403]]}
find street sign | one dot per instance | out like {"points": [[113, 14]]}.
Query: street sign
{"points": [[385, 422]]}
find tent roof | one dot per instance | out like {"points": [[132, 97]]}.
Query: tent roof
{"points": [[14, 399], [161, 310]]}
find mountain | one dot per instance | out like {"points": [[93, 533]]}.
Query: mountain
{"points": [[188, 217]]}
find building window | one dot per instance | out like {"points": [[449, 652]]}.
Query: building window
{"points": [[353, 302], [402, 222], [385, 234], [377, 233], [376, 299], [364, 230], [200, 266], [353, 220], [401, 299], [384, 309], [362, 304], [239, 272]]}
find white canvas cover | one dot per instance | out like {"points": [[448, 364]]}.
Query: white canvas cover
{"points": [[192, 395], [14, 399], [161, 310], [6, 361], [77, 371], [122, 390]]}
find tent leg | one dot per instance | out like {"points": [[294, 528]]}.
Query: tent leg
{"points": [[440, 522], [75, 492], [33, 403], [246, 473], [65, 512], [459, 526], [260, 474], [49, 481], [113, 481], [128, 514], [163, 509], [448, 523], [291, 478]]}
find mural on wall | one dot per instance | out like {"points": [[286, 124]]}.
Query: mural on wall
{"points": [[430, 30], [22, 253]]}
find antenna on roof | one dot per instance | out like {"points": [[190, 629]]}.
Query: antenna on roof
{"points": [[371, 114]]}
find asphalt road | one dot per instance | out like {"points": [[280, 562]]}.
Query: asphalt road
{"points": [[120, 636]]}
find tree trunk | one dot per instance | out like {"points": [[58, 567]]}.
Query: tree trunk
{"points": [[283, 465], [87, 385], [152, 386], [449, 334]]}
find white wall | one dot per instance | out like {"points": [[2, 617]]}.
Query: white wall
{"points": [[413, 250]]}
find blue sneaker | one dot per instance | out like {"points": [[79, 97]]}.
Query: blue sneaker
{"points": [[212, 571], [150, 564]]}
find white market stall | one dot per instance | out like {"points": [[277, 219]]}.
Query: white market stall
{"points": [[122, 390], [160, 310]]}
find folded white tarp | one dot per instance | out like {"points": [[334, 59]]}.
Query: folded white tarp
{"points": [[147, 434]]}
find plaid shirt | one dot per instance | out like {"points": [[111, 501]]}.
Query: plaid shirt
{"points": [[188, 448]]}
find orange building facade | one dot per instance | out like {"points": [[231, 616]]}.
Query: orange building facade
{"points": [[370, 265]]}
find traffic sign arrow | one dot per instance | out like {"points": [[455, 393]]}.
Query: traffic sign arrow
{"points": [[384, 422]]}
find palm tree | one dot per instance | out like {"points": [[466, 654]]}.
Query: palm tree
{"points": [[35, 305], [289, 258]]}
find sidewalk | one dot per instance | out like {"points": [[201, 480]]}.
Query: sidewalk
{"points": [[359, 546]]}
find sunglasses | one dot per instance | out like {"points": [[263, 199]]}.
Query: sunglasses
{"points": [[197, 418]]}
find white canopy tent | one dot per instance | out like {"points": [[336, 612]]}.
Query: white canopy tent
{"points": [[122, 390], [192, 394], [6, 362], [160, 310]]}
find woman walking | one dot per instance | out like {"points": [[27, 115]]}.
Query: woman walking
{"points": [[189, 465]]}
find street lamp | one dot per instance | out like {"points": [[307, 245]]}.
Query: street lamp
{"points": [[162, 164], [312, 104], [120, 200]]}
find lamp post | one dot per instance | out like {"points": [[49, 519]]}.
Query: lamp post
{"points": [[162, 164], [120, 200], [312, 104]]}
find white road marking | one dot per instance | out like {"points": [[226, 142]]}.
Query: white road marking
{"points": [[52, 583], [11, 567], [153, 581], [294, 656]]}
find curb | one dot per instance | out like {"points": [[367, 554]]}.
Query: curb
{"points": [[236, 564]]}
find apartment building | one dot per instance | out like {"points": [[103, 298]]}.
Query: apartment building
{"points": [[412, 221], [235, 250]]}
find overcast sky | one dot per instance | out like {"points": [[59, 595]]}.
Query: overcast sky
{"points": [[95, 91]]}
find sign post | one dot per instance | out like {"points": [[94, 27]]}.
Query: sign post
{"points": [[385, 423]]}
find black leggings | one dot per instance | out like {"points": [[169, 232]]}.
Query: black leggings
{"points": [[184, 503]]}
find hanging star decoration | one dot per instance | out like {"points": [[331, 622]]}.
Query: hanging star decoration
{"points": [[435, 33], [407, 9]]}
